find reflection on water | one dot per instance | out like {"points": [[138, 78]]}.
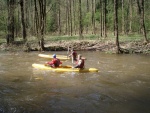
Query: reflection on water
{"points": [[121, 86]]}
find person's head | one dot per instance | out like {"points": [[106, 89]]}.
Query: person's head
{"points": [[54, 55], [79, 56]]}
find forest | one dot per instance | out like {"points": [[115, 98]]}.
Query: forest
{"points": [[24, 19]]}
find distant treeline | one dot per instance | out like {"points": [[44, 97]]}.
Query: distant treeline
{"points": [[21, 18]]}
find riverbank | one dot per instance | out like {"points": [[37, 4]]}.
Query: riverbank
{"points": [[108, 46]]}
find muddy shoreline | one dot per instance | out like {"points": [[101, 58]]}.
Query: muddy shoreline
{"points": [[82, 45]]}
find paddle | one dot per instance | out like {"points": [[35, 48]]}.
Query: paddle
{"points": [[72, 59], [68, 52]]}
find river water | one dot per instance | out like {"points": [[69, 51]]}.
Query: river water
{"points": [[122, 85]]}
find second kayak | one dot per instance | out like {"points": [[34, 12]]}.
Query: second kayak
{"points": [[61, 57]]}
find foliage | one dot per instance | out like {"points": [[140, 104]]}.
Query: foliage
{"points": [[52, 17], [86, 19], [51, 24]]}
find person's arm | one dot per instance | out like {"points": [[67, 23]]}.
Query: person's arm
{"points": [[70, 54], [78, 64]]}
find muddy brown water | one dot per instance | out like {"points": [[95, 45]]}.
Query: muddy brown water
{"points": [[122, 85]]}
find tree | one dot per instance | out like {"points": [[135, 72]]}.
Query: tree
{"points": [[74, 15], [80, 21], [122, 16], [10, 23], [70, 7], [140, 4], [101, 18], [40, 17], [116, 24], [105, 26], [59, 18], [87, 11], [23, 20], [93, 16]]}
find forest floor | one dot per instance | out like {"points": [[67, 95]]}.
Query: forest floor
{"points": [[108, 46]]}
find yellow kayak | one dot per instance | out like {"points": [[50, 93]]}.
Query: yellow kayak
{"points": [[64, 68], [61, 57]]}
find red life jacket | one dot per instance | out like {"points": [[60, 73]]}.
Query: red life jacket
{"points": [[55, 62]]}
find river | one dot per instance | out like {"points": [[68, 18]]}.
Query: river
{"points": [[122, 85]]}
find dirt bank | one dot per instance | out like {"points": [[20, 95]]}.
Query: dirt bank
{"points": [[107, 46], [88, 45]]}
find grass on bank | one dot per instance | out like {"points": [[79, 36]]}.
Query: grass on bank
{"points": [[110, 37]]}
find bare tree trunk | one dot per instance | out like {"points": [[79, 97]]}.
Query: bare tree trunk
{"points": [[80, 21], [93, 17], [23, 20], [42, 5], [40, 22], [74, 15], [122, 16], [130, 23], [116, 24], [70, 11], [101, 18], [141, 13], [105, 26], [59, 18], [87, 11], [10, 24], [67, 25]]}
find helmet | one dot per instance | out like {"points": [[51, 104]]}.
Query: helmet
{"points": [[54, 55]]}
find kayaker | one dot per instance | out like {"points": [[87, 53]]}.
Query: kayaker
{"points": [[55, 62], [80, 62], [73, 54]]}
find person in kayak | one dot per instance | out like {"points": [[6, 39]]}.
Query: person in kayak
{"points": [[55, 62], [73, 54], [80, 62]]}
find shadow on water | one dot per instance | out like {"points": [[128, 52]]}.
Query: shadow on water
{"points": [[121, 86]]}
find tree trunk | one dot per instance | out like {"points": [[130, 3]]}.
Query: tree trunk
{"points": [[74, 15], [40, 17], [80, 21], [123, 17], [23, 20], [101, 18], [42, 5], [70, 11], [93, 16], [141, 13], [10, 25], [130, 20], [67, 28], [87, 11], [59, 18], [105, 26], [116, 24]]}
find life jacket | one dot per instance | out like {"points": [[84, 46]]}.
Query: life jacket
{"points": [[74, 54], [81, 65], [55, 62]]}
